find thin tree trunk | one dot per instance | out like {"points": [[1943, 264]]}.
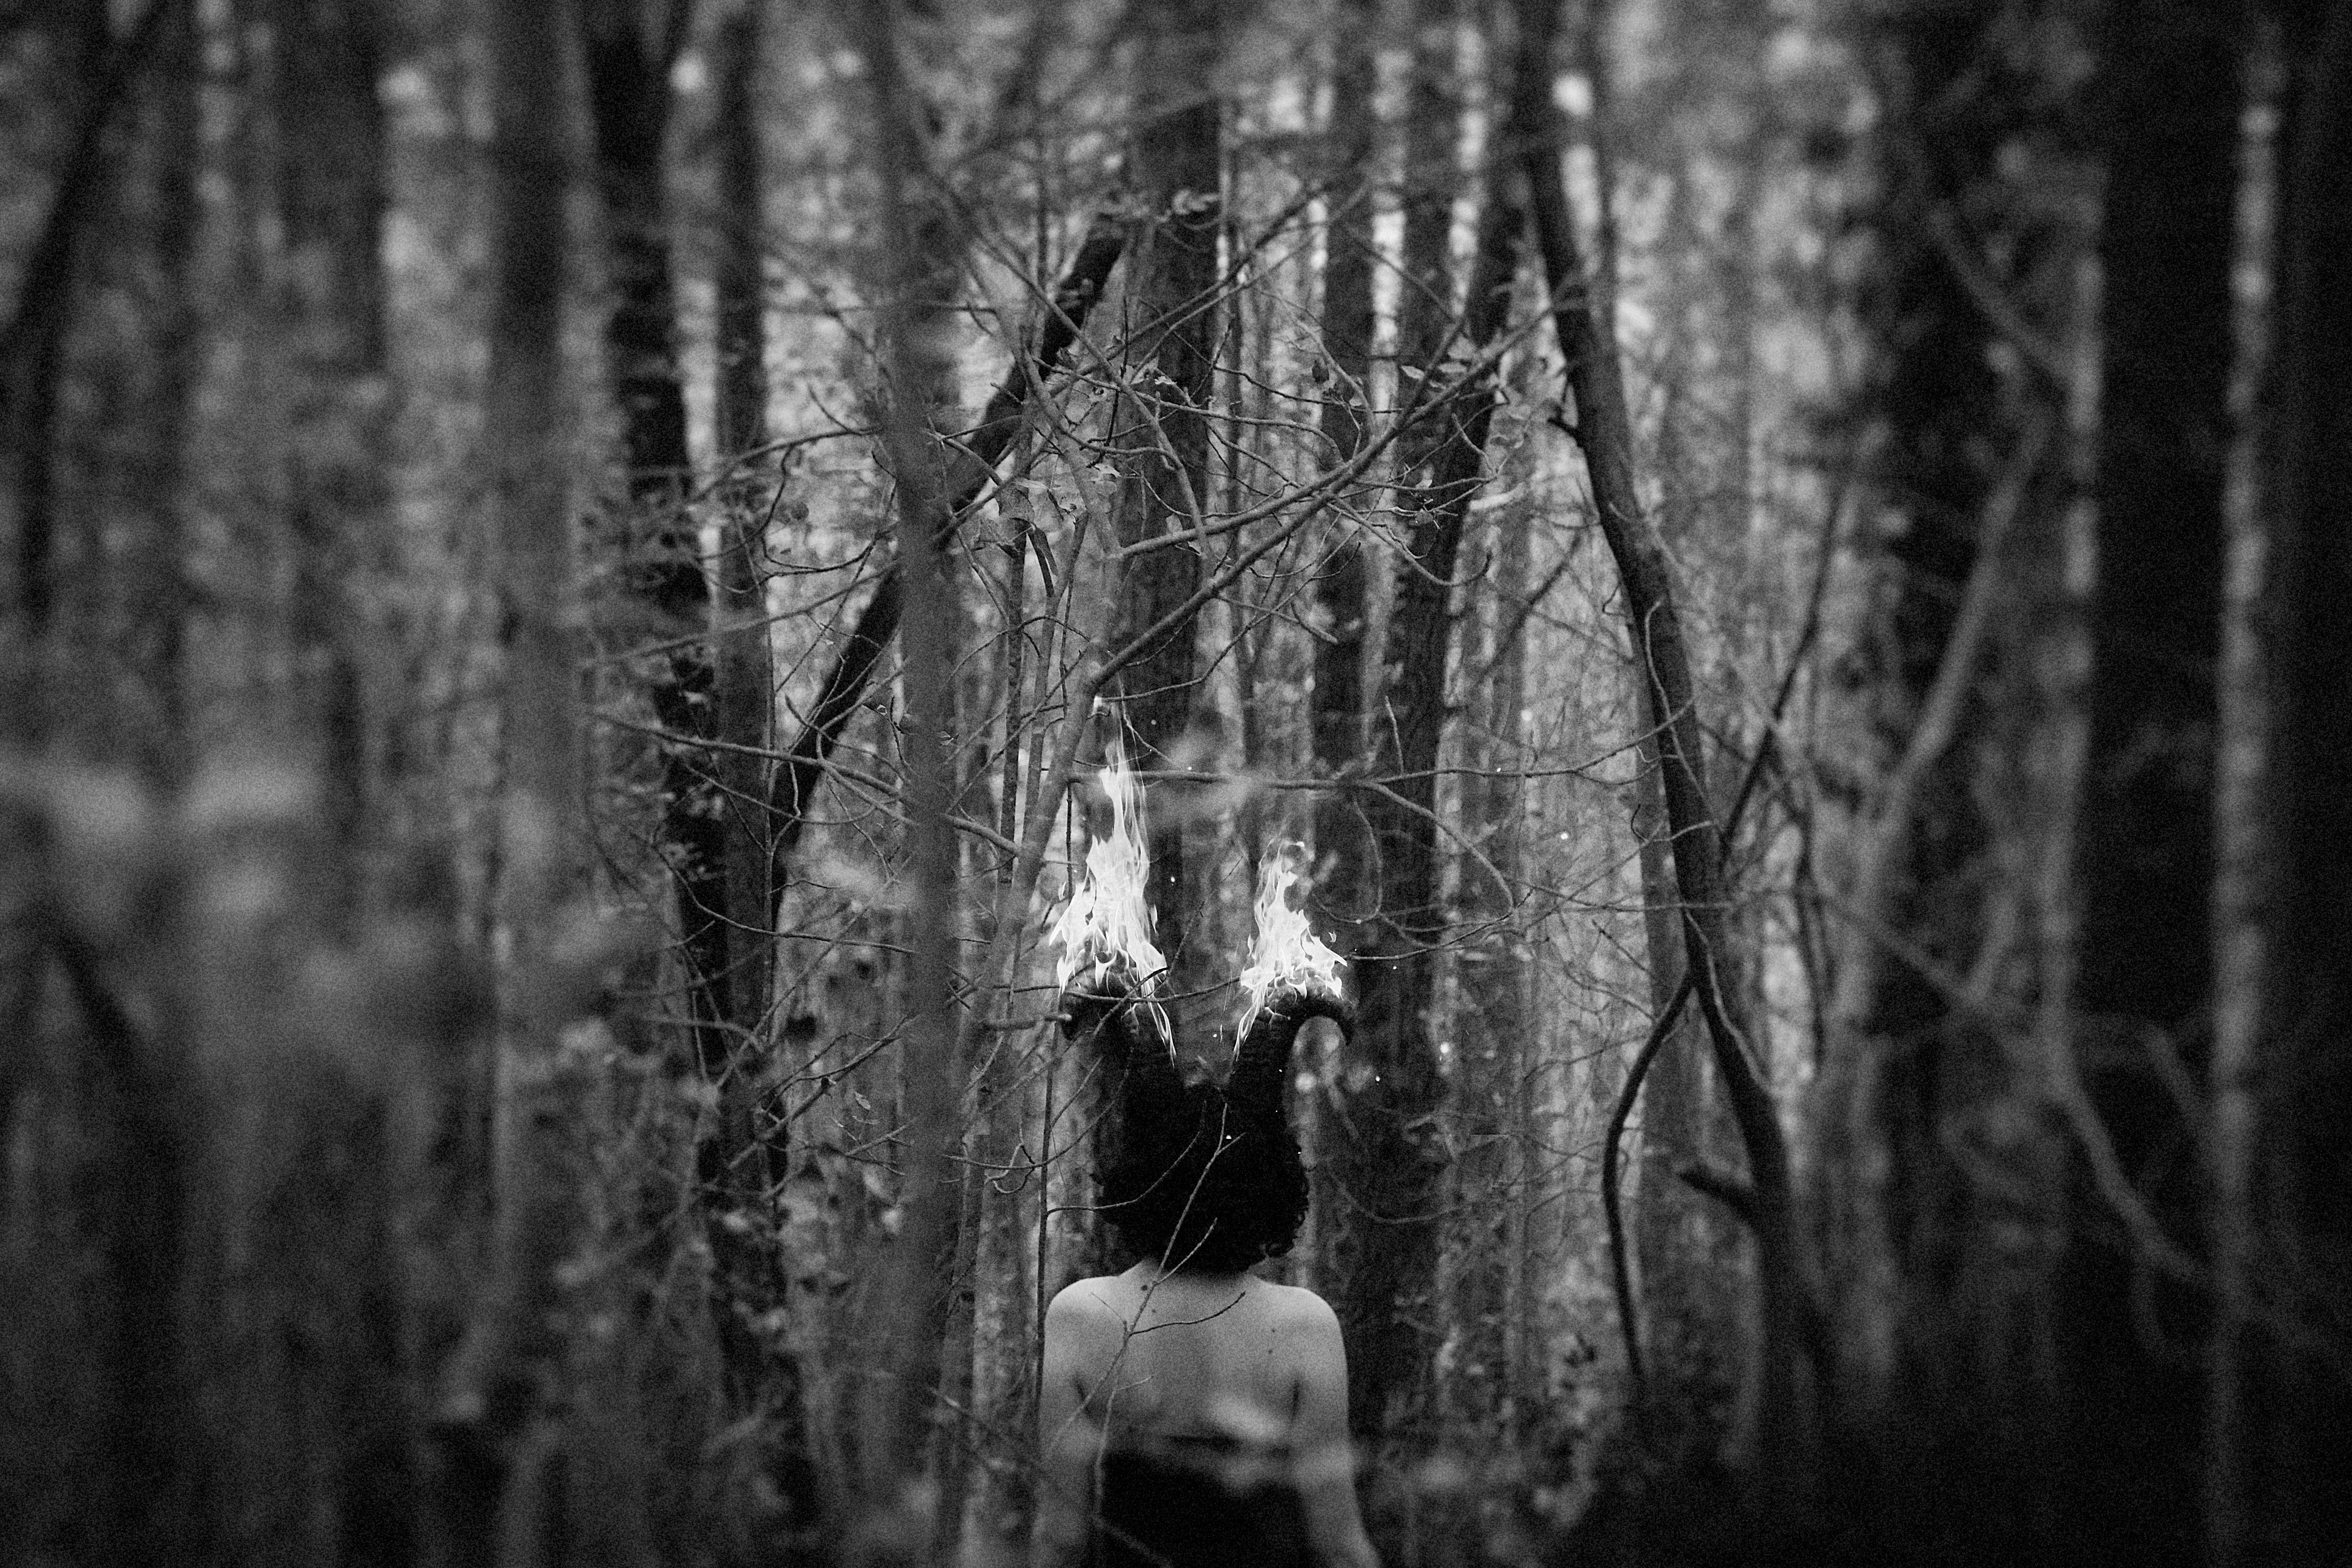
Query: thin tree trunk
{"points": [[134, 1071], [137, 1089], [1343, 589], [747, 1276], [492, 1429], [1390, 1161], [325, 61], [1670, 1239], [2145, 854], [1337, 700], [158, 592], [744, 682], [1764, 1198], [1353, 1249], [2276, 1418], [322, 1245], [2248, 851], [628, 101], [1493, 1180], [1164, 491], [917, 294], [32, 348]]}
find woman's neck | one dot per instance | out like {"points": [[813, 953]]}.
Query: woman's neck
{"points": [[1150, 1272]]}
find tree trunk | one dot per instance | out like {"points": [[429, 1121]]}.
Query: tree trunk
{"points": [[750, 1157], [154, 1445], [322, 1239], [493, 1431], [2277, 1416], [1343, 589], [1348, 1238], [33, 347], [744, 682], [1764, 1198], [913, 1305], [325, 62], [1389, 1158], [1172, 304], [159, 594], [1494, 1181], [628, 101], [1683, 1295], [2146, 858], [1939, 1153], [2248, 848]]}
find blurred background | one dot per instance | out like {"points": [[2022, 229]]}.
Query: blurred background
{"points": [[570, 564]]}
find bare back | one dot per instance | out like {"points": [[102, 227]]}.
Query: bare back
{"points": [[1141, 1356], [1182, 1355]]}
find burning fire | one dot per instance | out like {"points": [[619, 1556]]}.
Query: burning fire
{"points": [[1287, 954], [1107, 918]]}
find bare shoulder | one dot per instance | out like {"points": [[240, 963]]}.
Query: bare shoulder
{"points": [[1084, 1304], [1296, 1308]]}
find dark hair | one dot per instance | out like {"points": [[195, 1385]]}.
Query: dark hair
{"points": [[1203, 1176], [1204, 1184]]}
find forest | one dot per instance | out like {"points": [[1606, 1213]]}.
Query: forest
{"points": [[584, 578]]}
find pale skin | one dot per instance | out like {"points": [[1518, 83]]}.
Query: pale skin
{"points": [[1152, 1352]]}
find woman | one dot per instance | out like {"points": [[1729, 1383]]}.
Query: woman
{"points": [[1191, 1413]]}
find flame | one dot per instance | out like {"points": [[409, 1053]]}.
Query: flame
{"points": [[1106, 917], [1286, 955]]}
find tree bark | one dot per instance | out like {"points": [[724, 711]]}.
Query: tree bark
{"points": [[748, 1156], [1337, 732], [1687, 1366], [744, 691], [1343, 588], [1354, 1245], [1164, 489], [1496, 1179], [628, 101], [1390, 1161], [918, 294]]}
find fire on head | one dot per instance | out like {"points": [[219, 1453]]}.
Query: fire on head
{"points": [[1200, 1176]]}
